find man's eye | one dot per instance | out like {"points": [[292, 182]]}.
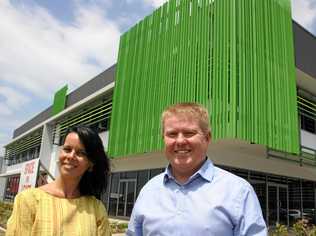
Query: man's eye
{"points": [[172, 135], [189, 134]]}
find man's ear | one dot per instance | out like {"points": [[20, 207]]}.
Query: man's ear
{"points": [[208, 136]]}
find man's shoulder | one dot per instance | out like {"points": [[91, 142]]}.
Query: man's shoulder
{"points": [[154, 183], [230, 178]]}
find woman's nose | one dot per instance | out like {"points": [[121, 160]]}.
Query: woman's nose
{"points": [[71, 154]]}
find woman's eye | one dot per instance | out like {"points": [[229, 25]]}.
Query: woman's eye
{"points": [[66, 149], [81, 153]]}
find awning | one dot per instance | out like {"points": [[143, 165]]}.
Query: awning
{"points": [[10, 173]]}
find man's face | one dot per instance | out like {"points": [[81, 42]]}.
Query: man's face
{"points": [[185, 144]]}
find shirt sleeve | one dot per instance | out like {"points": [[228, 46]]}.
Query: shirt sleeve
{"points": [[135, 225], [22, 217], [103, 225], [250, 220]]}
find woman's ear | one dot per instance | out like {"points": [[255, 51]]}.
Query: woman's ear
{"points": [[90, 169]]}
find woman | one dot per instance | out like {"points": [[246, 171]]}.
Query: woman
{"points": [[69, 205]]}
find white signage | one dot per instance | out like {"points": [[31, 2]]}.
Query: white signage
{"points": [[105, 139], [29, 174]]}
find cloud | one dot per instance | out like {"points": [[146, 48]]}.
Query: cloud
{"points": [[41, 54], [155, 3], [5, 110], [7, 126], [12, 99], [303, 12]]}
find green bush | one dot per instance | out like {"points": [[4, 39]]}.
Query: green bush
{"points": [[300, 228], [280, 230], [118, 227], [5, 213]]}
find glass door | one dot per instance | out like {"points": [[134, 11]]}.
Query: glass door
{"points": [[126, 197], [278, 201], [260, 188], [283, 205], [272, 205]]}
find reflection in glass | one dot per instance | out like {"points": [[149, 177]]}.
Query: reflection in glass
{"points": [[272, 205]]}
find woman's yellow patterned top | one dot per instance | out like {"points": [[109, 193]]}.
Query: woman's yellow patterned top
{"points": [[36, 212]]}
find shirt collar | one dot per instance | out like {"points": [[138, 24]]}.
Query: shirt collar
{"points": [[206, 172]]}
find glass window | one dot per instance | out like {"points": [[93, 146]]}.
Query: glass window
{"points": [[114, 193], [294, 200], [308, 124], [12, 187], [128, 175], [239, 172], [308, 194], [154, 172], [258, 182], [142, 178]]}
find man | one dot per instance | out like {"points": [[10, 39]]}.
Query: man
{"points": [[192, 197]]}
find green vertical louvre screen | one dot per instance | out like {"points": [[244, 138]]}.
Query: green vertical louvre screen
{"points": [[60, 100], [234, 57]]}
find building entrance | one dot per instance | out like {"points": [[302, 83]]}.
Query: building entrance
{"points": [[278, 202], [126, 197]]}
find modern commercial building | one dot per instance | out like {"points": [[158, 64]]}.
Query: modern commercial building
{"points": [[247, 62]]}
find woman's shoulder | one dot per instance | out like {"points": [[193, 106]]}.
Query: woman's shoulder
{"points": [[29, 192], [28, 196], [97, 204], [92, 200]]}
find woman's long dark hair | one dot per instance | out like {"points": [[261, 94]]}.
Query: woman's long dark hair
{"points": [[92, 182]]}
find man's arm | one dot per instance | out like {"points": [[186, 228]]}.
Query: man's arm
{"points": [[135, 225], [250, 220]]}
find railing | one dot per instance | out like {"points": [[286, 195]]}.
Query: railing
{"points": [[306, 107], [306, 156], [13, 161]]}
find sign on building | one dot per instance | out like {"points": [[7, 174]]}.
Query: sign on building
{"points": [[29, 173]]}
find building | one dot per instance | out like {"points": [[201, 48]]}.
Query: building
{"points": [[280, 163]]}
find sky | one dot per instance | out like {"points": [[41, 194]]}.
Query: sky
{"points": [[47, 44]]}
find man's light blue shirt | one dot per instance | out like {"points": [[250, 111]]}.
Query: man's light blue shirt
{"points": [[212, 202]]}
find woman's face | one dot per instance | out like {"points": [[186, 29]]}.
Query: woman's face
{"points": [[73, 161]]}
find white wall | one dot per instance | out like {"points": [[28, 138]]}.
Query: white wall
{"points": [[3, 181], [308, 139], [105, 139], [232, 153]]}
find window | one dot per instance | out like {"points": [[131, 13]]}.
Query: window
{"points": [[308, 124], [12, 187]]}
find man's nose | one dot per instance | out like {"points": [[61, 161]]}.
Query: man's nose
{"points": [[180, 138]]}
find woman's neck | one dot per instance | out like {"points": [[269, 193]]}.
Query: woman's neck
{"points": [[67, 188]]}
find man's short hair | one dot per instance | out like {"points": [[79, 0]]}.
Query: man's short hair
{"points": [[188, 110]]}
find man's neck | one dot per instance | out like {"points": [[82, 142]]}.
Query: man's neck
{"points": [[183, 177]]}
